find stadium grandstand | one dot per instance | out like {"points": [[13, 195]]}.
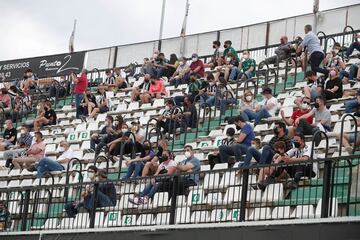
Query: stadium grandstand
{"points": [[244, 136]]}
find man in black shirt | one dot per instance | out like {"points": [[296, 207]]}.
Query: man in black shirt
{"points": [[229, 140], [168, 119], [9, 136], [47, 117]]}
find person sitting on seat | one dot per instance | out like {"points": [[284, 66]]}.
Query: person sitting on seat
{"points": [[34, 154], [181, 75], [9, 136], [103, 103], [105, 197], [46, 118], [150, 167], [333, 87], [99, 140], [314, 86], [61, 163], [167, 167], [241, 144], [349, 138], [140, 92], [214, 157], [247, 66], [247, 104], [88, 103], [282, 52]]}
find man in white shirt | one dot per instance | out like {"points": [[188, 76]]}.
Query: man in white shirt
{"points": [[47, 165]]}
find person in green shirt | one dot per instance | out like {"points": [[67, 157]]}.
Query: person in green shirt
{"points": [[4, 216], [247, 65], [229, 49], [193, 89]]}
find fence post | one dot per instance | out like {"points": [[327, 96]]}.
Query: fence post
{"points": [[175, 186], [326, 190], [244, 189], [25, 210], [94, 204]]}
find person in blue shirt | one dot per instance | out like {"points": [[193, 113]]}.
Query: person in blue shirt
{"points": [[241, 144]]}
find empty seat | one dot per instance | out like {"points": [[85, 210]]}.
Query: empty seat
{"points": [[211, 180], [199, 217], [214, 199], [219, 215], [333, 209], [260, 214], [113, 219], [182, 215], [161, 199], [162, 218], [145, 219], [195, 197], [129, 220], [303, 211], [233, 194], [229, 179], [282, 212], [273, 192]]}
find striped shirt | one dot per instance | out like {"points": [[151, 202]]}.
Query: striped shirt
{"points": [[110, 80], [227, 141], [25, 139]]}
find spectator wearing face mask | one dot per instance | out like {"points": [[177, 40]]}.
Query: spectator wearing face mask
{"points": [[181, 74], [120, 80], [193, 89], [172, 65], [23, 143], [229, 49], [159, 65], [303, 108], [197, 66], [135, 166], [218, 52], [322, 120], [268, 151], [61, 163], [247, 66], [334, 60], [241, 144], [247, 103], [109, 82], [167, 167], [189, 114], [103, 103], [105, 197], [168, 120], [208, 94], [214, 157], [47, 117], [333, 88], [151, 167], [282, 52], [99, 140]]}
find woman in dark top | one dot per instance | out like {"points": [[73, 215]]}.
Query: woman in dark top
{"points": [[172, 65], [46, 117], [88, 103], [333, 86]]}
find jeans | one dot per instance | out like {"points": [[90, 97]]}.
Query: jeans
{"points": [[207, 99], [158, 72], [353, 71], [257, 116], [46, 164], [191, 121], [150, 190], [136, 168], [93, 143], [351, 105], [315, 60], [235, 71], [78, 98], [236, 150], [265, 157], [352, 47], [102, 200], [225, 102]]}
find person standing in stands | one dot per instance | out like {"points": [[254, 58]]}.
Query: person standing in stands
{"points": [[80, 86], [241, 144], [268, 151], [312, 43]]}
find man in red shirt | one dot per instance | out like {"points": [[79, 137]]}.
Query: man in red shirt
{"points": [[197, 66], [80, 86], [303, 108]]}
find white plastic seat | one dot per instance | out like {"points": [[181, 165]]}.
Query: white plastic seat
{"points": [[219, 215], [211, 181], [215, 133], [101, 117], [195, 197], [273, 192], [161, 199], [333, 210], [159, 103], [113, 219], [199, 217], [50, 149], [229, 179], [214, 199], [83, 136], [81, 127], [282, 212], [260, 214], [254, 196], [72, 137], [303, 212], [162, 219], [129, 220], [219, 166], [205, 144], [182, 215], [218, 141], [67, 223], [145, 220]]}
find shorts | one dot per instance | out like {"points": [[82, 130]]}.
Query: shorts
{"points": [[104, 109], [352, 137], [314, 93]]}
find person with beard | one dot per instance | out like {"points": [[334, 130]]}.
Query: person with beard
{"points": [[268, 151], [322, 120], [241, 144]]}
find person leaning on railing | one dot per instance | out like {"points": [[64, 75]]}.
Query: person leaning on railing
{"points": [[167, 167], [105, 197]]}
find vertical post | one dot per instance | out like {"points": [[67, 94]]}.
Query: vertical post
{"points": [[115, 57], [267, 37], [25, 210], [326, 190], [161, 23], [244, 189], [94, 204], [175, 186]]}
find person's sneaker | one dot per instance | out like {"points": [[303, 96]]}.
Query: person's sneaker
{"points": [[349, 149], [291, 185], [145, 200], [135, 200]]}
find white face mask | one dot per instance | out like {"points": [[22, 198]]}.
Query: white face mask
{"points": [[22, 131], [124, 130], [181, 63], [38, 107], [248, 98], [167, 108], [61, 149], [194, 59], [304, 106], [229, 137], [90, 175], [187, 154], [254, 146], [228, 59], [336, 51], [211, 83]]}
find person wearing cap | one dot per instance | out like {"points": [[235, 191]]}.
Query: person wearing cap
{"points": [[354, 104], [197, 65], [34, 154], [105, 197], [4, 216], [241, 144], [9, 136], [23, 143], [266, 108], [61, 163], [229, 49]]}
